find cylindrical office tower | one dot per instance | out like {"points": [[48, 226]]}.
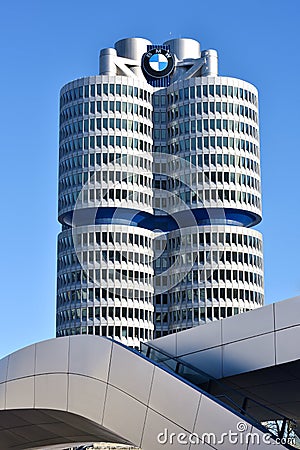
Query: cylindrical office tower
{"points": [[105, 273], [207, 161], [159, 188]]}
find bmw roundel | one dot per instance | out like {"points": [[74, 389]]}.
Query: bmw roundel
{"points": [[158, 63]]}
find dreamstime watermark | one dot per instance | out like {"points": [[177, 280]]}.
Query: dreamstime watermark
{"points": [[240, 436]]}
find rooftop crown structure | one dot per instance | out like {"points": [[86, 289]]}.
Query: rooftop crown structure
{"points": [[159, 188]]}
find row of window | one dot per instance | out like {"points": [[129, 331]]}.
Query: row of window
{"points": [[104, 177], [105, 296], [193, 315], [209, 160], [188, 110], [96, 90], [195, 258], [211, 142], [190, 180], [104, 238], [207, 195], [92, 125], [185, 279], [188, 197], [68, 200], [91, 195], [98, 256], [159, 100], [176, 147], [102, 159], [115, 238], [91, 142], [68, 260], [193, 109], [171, 299], [208, 276], [99, 107], [199, 276], [107, 313], [206, 198], [187, 93], [200, 143], [210, 90], [193, 126], [105, 276], [191, 298], [117, 332], [104, 258], [210, 294], [212, 159], [173, 243], [210, 239], [178, 189], [214, 258]]}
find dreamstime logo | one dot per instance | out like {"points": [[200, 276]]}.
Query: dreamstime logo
{"points": [[240, 436], [178, 197]]}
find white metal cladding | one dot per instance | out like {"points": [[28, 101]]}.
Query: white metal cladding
{"points": [[82, 388], [229, 347]]}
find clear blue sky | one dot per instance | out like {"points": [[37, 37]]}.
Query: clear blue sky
{"points": [[45, 44]]}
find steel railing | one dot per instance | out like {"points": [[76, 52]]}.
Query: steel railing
{"points": [[255, 412]]}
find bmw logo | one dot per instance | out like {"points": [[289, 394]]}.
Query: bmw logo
{"points": [[158, 63]]}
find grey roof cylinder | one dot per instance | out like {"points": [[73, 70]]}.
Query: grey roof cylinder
{"points": [[107, 63], [184, 48], [210, 67], [132, 48]]}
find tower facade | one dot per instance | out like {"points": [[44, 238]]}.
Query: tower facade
{"points": [[159, 188]]}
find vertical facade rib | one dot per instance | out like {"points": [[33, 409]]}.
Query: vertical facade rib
{"points": [[159, 188]]}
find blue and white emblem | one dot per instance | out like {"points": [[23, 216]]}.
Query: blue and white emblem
{"points": [[158, 62]]}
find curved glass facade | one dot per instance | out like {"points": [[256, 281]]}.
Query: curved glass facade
{"points": [[104, 283], [210, 272], [159, 184]]}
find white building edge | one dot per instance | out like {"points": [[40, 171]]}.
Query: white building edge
{"points": [[91, 389]]}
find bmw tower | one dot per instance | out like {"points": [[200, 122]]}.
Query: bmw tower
{"points": [[159, 191]]}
